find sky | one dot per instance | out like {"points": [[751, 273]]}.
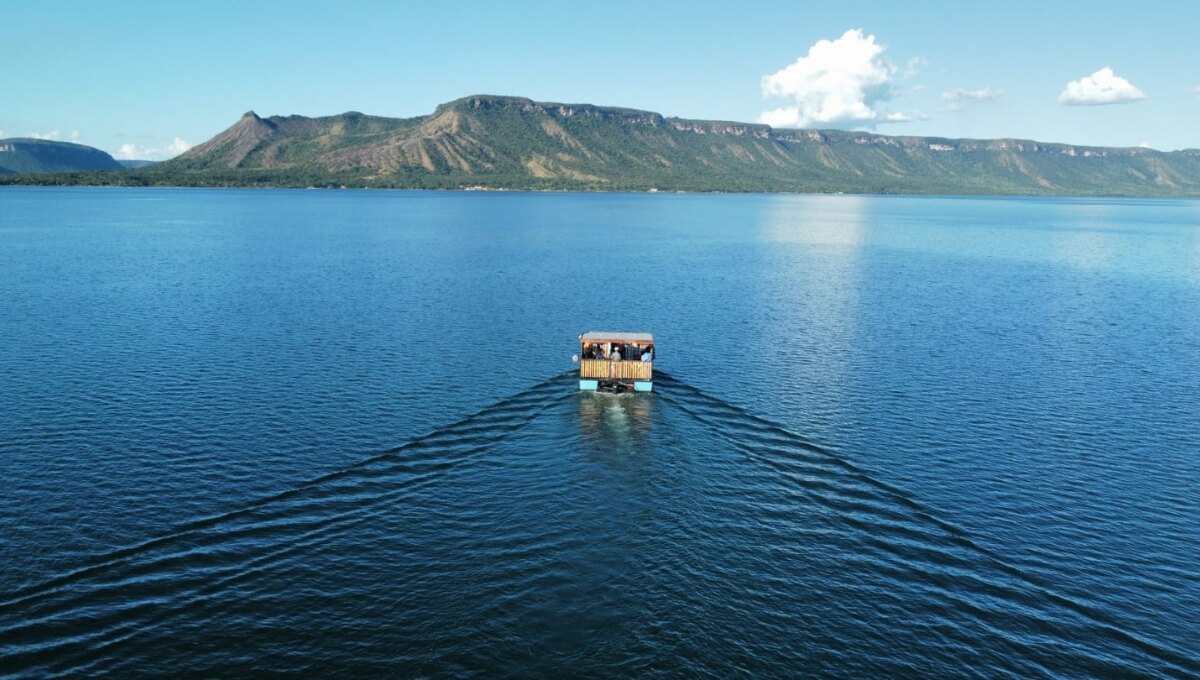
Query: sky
{"points": [[148, 79]]}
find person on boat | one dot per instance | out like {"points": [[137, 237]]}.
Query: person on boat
{"points": [[616, 352], [648, 353]]}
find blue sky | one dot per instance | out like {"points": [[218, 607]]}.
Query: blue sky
{"points": [[145, 79]]}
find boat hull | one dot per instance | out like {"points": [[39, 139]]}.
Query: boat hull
{"points": [[615, 386]]}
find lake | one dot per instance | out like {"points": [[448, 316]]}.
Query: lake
{"points": [[337, 431]]}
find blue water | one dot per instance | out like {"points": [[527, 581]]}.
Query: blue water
{"points": [[323, 431]]}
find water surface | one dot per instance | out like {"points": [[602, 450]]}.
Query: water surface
{"points": [[319, 430]]}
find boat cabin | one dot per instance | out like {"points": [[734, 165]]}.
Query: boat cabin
{"points": [[616, 361]]}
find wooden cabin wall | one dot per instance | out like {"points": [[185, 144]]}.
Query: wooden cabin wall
{"points": [[604, 369]]}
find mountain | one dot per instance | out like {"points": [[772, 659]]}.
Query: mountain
{"points": [[516, 143], [21, 155]]}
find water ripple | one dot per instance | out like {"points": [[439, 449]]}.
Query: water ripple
{"points": [[644, 558]]}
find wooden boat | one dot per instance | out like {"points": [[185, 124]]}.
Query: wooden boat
{"points": [[616, 361]]}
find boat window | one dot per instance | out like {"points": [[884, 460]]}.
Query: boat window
{"points": [[631, 351]]}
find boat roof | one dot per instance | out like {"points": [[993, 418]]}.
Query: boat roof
{"points": [[616, 336]]}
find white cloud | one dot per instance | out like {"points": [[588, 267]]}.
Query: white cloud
{"points": [[53, 135], [132, 152], [178, 146], [915, 64], [983, 94], [127, 152], [839, 83], [1102, 87], [959, 97], [1195, 91]]}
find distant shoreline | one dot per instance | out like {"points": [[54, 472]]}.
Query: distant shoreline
{"points": [[501, 143], [628, 192]]}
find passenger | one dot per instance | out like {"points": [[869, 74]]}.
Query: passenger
{"points": [[600, 353], [648, 353], [589, 352], [616, 352]]}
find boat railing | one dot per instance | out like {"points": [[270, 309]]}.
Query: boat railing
{"points": [[607, 369]]}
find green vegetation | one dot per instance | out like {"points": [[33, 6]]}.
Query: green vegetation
{"points": [[22, 156], [514, 143]]}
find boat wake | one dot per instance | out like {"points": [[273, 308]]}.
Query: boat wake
{"points": [[678, 516]]}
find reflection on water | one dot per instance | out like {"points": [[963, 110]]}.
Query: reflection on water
{"points": [[818, 220], [614, 422], [813, 275], [1092, 240]]}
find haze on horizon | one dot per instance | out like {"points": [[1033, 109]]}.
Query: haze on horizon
{"points": [[142, 80]]}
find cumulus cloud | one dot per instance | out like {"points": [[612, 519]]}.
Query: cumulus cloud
{"points": [[75, 136], [1102, 87], [127, 152], [52, 135], [133, 152], [839, 83], [178, 146]]}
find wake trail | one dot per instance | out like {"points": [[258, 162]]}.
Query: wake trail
{"points": [[955, 534], [485, 421]]}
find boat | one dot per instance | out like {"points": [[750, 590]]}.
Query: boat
{"points": [[616, 361]]}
